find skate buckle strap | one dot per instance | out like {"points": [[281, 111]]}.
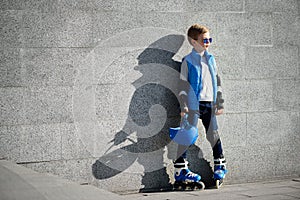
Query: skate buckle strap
{"points": [[220, 161], [183, 165]]}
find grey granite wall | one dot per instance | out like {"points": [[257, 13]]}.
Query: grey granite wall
{"points": [[88, 88]]}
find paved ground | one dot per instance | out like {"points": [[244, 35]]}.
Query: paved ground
{"points": [[20, 183], [284, 189]]}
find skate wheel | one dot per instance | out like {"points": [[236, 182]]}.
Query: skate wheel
{"points": [[192, 186], [176, 186], [219, 183], [179, 186], [200, 185]]}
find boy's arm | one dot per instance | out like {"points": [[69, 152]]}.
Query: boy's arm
{"points": [[183, 86], [220, 100]]}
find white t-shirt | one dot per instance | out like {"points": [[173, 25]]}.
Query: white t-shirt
{"points": [[206, 93]]}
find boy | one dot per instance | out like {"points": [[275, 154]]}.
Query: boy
{"points": [[200, 97]]}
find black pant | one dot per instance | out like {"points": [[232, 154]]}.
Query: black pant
{"points": [[207, 114]]}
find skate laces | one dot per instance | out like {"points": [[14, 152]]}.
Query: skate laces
{"points": [[189, 173]]}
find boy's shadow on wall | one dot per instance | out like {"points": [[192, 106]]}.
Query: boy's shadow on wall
{"points": [[144, 97]]}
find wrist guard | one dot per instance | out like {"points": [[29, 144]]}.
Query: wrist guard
{"points": [[219, 101], [183, 102]]}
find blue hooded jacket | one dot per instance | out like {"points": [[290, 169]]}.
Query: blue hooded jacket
{"points": [[194, 78]]}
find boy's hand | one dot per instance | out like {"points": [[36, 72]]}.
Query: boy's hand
{"points": [[184, 111], [219, 104], [219, 112]]}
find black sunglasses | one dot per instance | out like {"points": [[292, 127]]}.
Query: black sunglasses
{"points": [[207, 40]]}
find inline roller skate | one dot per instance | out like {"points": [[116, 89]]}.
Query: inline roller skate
{"points": [[184, 178], [219, 171]]}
